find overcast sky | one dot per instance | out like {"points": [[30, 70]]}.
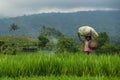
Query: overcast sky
{"points": [[25, 7]]}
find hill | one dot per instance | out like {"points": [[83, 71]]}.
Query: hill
{"points": [[67, 23]]}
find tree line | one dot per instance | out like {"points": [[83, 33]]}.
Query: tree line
{"points": [[54, 40]]}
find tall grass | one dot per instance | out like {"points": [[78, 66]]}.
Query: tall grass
{"points": [[52, 77], [59, 64]]}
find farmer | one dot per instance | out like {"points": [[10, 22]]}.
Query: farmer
{"points": [[87, 49], [90, 34]]}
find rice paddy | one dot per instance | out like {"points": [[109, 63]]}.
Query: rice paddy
{"points": [[62, 66]]}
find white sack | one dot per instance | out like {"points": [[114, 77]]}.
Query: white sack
{"points": [[87, 31]]}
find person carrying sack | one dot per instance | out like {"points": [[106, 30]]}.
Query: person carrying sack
{"points": [[90, 34]]}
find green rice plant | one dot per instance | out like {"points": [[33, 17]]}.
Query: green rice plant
{"points": [[52, 77], [67, 64]]}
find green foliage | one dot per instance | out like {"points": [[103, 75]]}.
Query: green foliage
{"points": [[104, 44], [52, 35], [63, 77], [42, 41], [66, 44], [8, 49], [102, 38], [67, 23], [15, 44], [50, 46], [1, 43], [107, 48], [47, 31], [14, 27]]}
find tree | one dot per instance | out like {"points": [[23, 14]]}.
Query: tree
{"points": [[66, 44], [47, 31], [104, 44], [14, 27], [108, 48], [42, 41], [102, 38], [43, 30]]}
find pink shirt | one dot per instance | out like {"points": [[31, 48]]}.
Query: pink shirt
{"points": [[86, 48]]}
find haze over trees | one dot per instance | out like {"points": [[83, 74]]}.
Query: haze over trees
{"points": [[66, 23]]}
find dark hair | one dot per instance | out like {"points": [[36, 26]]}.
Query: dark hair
{"points": [[88, 37]]}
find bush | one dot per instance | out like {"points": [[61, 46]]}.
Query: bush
{"points": [[9, 50], [50, 46], [66, 44], [107, 48], [102, 38], [42, 41], [2, 43]]}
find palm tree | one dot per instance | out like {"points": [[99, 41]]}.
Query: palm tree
{"points": [[14, 27]]}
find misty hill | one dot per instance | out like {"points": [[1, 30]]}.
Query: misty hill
{"points": [[67, 23]]}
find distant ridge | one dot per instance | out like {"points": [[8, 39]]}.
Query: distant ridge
{"points": [[67, 23]]}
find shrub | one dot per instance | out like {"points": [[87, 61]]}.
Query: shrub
{"points": [[102, 38], [107, 48], [66, 44], [42, 41], [2, 43]]}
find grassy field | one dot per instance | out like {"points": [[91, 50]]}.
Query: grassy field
{"points": [[61, 78], [64, 66]]}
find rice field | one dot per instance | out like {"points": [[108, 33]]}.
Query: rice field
{"points": [[62, 66], [61, 78]]}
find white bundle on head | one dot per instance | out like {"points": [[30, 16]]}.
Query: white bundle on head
{"points": [[87, 31]]}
